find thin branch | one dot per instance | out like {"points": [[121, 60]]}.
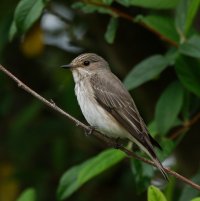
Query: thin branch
{"points": [[97, 134], [128, 17], [185, 126]]}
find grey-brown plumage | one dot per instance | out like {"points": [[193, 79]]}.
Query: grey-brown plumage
{"points": [[107, 105]]}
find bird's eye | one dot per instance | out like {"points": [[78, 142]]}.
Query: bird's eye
{"points": [[86, 63]]}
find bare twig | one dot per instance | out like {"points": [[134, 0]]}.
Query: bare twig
{"points": [[97, 134], [185, 126]]}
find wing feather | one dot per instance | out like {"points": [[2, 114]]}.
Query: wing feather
{"points": [[112, 95]]}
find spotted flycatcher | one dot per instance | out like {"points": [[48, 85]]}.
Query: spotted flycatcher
{"points": [[107, 105]]}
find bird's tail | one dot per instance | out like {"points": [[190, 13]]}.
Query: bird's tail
{"points": [[160, 167], [150, 151]]}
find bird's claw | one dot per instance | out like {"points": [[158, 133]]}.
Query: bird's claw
{"points": [[89, 131], [117, 143]]}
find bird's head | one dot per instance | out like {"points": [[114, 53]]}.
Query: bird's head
{"points": [[88, 62]]}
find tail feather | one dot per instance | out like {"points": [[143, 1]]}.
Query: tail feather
{"points": [[154, 142], [148, 148], [161, 168]]}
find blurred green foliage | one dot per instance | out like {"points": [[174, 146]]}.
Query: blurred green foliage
{"points": [[28, 194], [154, 46], [154, 194]]}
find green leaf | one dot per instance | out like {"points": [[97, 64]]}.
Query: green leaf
{"points": [[188, 72], [168, 107], [90, 8], [87, 8], [111, 30], [171, 55], [78, 175], [191, 47], [185, 13], [142, 175], [154, 194], [153, 130], [13, 31], [26, 14], [145, 71], [156, 4], [27, 195], [168, 147], [100, 2], [163, 25], [196, 199], [107, 2], [180, 18], [192, 11], [170, 189]]}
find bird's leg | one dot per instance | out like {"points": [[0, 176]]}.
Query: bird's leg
{"points": [[89, 131], [117, 143]]}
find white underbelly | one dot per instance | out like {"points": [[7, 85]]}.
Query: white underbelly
{"points": [[96, 116]]}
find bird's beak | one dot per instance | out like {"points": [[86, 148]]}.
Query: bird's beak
{"points": [[67, 66]]}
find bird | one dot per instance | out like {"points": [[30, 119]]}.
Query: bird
{"points": [[108, 106]]}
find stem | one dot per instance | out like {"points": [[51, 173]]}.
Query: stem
{"points": [[97, 134], [185, 126]]}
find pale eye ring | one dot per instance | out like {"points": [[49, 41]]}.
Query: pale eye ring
{"points": [[86, 63]]}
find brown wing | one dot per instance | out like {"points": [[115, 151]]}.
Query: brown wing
{"points": [[112, 95]]}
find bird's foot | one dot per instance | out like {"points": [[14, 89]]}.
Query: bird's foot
{"points": [[117, 143], [89, 131]]}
